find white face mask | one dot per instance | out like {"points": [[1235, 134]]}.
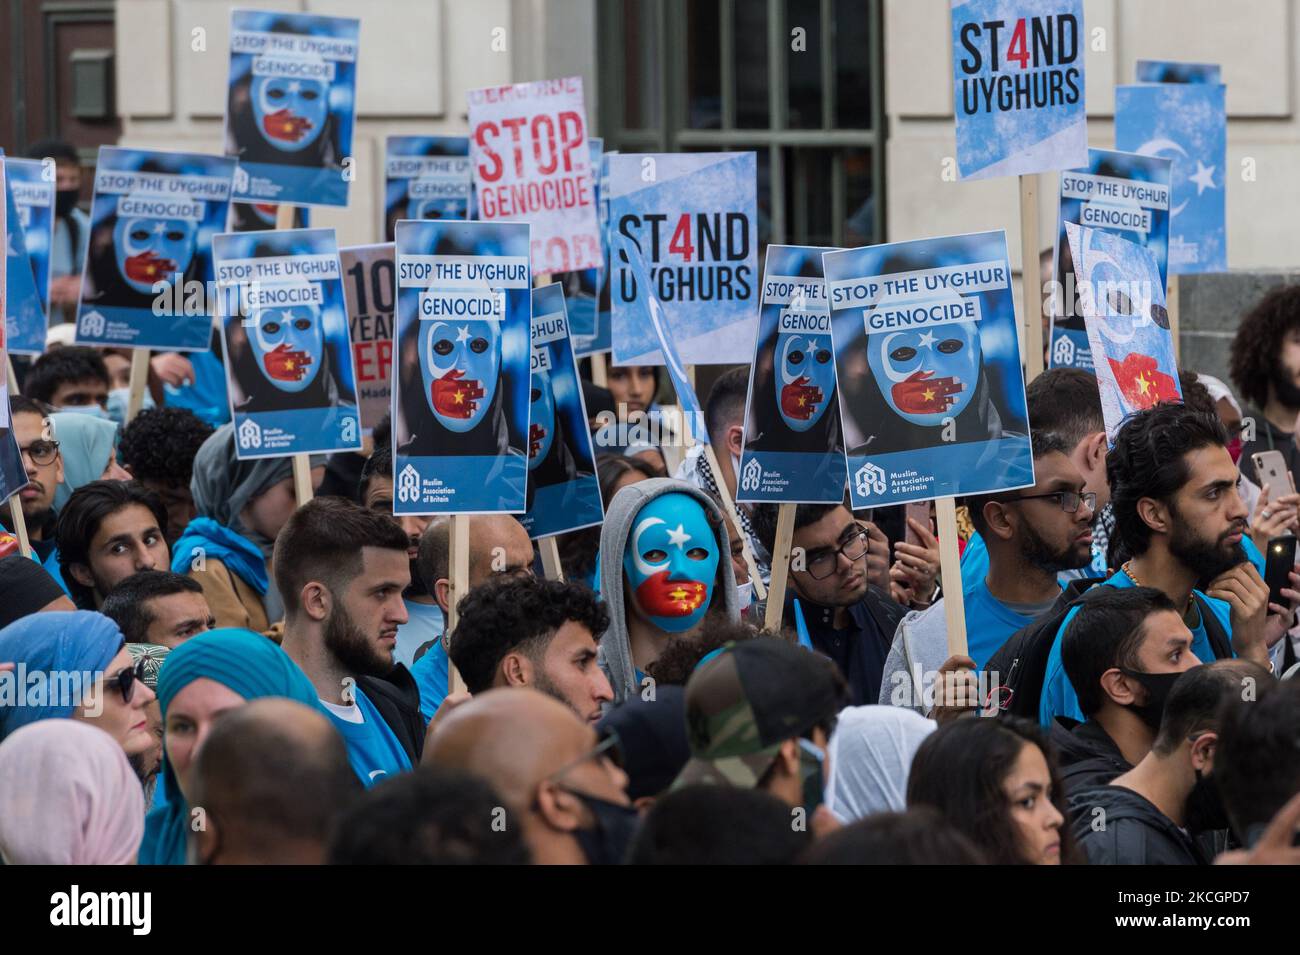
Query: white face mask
{"points": [[745, 595], [94, 410]]}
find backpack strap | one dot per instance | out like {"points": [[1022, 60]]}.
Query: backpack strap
{"points": [[1220, 639]]}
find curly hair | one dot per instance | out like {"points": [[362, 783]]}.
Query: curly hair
{"points": [[1258, 342], [160, 445], [517, 614], [681, 655]]}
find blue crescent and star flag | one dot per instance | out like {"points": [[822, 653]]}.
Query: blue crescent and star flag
{"points": [[1123, 299], [1123, 193], [425, 177], [927, 355], [30, 211], [1184, 122], [288, 352], [291, 106], [563, 487], [461, 367], [1018, 88], [793, 451]]}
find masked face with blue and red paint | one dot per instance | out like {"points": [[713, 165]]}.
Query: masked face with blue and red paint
{"points": [[289, 344], [151, 250], [541, 427], [805, 378], [927, 375], [460, 363], [290, 113], [671, 562]]}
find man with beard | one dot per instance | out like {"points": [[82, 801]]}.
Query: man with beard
{"points": [[425, 620], [1265, 366], [1032, 535], [1153, 814], [1173, 489], [341, 571]]}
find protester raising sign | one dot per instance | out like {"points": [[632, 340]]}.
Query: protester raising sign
{"points": [[152, 221], [31, 231], [932, 396], [563, 490], [460, 408], [693, 217], [794, 452], [369, 281], [1123, 193], [291, 106], [532, 163], [425, 177], [288, 357], [1018, 86], [1123, 300]]}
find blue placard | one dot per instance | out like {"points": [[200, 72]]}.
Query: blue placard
{"points": [[927, 356], [1172, 71], [426, 177], [1123, 299], [291, 106], [563, 489], [33, 194], [24, 307], [1184, 122], [461, 356], [288, 353], [582, 287], [589, 341], [1018, 86], [794, 452], [149, 257], [694, 218], [1122, 193]]}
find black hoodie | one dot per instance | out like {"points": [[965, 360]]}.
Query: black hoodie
{"points": [[1088, 756], [1129, 830]]}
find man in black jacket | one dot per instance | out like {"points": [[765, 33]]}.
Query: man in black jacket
{"points": [[847, 619], [1151, 814], [1122, 652]]}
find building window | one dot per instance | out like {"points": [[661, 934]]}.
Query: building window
{"points": [[797, 81]]}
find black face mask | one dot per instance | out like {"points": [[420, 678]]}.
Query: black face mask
{"points": [[1157, 686], [607, 842], [1204, 811], [65, 200]]}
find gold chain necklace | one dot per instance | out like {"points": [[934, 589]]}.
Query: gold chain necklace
{"points": [[1137, 583]]}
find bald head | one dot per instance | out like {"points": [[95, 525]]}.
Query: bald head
{"points": [[498, 545]]}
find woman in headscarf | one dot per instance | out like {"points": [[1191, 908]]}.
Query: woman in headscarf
{"points": [[241, 507], [202, 678], [89, 448], [870, 755], [79, 665], [67, 797]]}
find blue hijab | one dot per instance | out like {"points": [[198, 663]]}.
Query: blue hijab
{"points": [[246, 662], [86, 444], [77, 641]]}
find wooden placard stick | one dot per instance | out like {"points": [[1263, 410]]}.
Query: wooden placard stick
{"points": [[458, 540], [12, 377], [20, 525], [139, 381], [599, 371], [550, 552], [945, 512], [1031, 293], [1171, 307], [780, 566]]}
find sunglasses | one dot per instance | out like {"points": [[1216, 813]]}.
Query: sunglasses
{"points": [[125, 680]]}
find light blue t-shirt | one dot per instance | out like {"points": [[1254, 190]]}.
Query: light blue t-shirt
{"points": [[989, 622], [424, 623], [975, 564], [373, 750], [430, 673]]}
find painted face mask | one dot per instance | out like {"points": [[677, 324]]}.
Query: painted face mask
{"points": [[290, 113], [671, 561], [289, 344], [150, 250], [805, 378], [460, 362], [927, 375], [541, 428]]}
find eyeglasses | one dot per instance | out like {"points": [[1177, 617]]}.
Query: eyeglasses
{"points": [[826, 562], [125, 680], [42, 452], [1067, 501]]}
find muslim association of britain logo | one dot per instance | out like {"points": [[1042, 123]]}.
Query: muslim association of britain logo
{"points": [[92, 325], [408, 484], [869, 479], [250, 435], [1063, 352], [750, 476]]}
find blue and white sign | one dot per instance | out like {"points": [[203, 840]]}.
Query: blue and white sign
{"points": [[1184, 122], [461, 353], [563, 489], [25, 309], [149, 258], [426, 177], [1122, 193], [794, 452], [582, 287], [596, 338], [1018, 91], [288, 353], [291, 106], [932, 395], [693, 216]]}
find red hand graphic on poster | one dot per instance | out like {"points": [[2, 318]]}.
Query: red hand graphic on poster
{"points": [[799, 400], [284, 364], [455, 396], [921, 394]]}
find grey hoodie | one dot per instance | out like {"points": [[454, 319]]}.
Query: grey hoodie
{"points": [[920, 647], [615, 648]]}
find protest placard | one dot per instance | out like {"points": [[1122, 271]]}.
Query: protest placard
{"points": [[1123, 302], [462, 349], [260, 216], [291, 106], [1172, 71], [30, 210], [595, 341], [793, 449], [563, 489], [532, 163], [582, 286], [24, 313], [932, 396], [1018, 86], [425, 177], [370, 286], [152, 221], [287, 349], [693, 217], [13, 475], [1123, 193]]}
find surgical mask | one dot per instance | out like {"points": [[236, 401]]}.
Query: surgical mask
{"points": [[671, 561], [745, 595], [119, 400], [1204, 810], [94, 410], [1158, 686], [607, 842], [65, 200]]}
